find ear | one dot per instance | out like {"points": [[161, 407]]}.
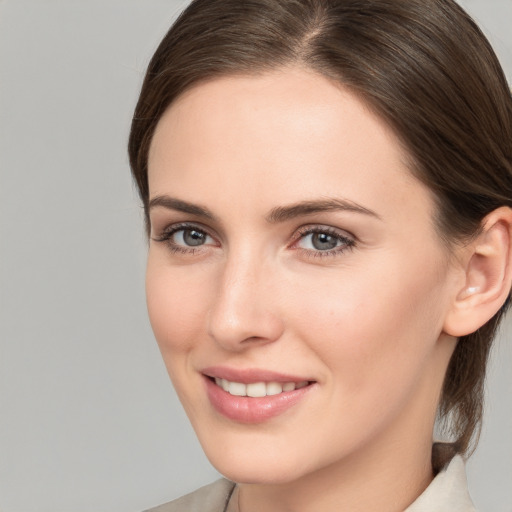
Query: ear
{"points": [[487, 265]]}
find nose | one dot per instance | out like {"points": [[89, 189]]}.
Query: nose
{"points": [[244, 312]]}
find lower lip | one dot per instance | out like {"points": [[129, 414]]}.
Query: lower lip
{"points": [[244, 409]]}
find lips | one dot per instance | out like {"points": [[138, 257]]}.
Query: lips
{"points": [[253, 396]]}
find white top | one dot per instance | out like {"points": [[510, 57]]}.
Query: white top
{"points": [[448, 492]]}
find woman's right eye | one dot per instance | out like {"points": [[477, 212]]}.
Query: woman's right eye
{"points": [[190, 237], [185, 238]]}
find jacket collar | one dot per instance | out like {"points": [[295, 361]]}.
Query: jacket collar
{"points": [[448, 492]]}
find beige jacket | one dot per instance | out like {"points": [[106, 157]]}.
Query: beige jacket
{"points": [[448, 492]]}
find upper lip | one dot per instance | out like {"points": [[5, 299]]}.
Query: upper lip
{"points": [[250, 375]]}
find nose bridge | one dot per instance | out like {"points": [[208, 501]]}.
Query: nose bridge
{"points": [[244, 309]]}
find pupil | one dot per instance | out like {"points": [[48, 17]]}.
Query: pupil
{"points": [[323, 241], [193, 237]]}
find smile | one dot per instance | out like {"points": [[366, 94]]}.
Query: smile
{"points": [[258, 389], [254, 396]]}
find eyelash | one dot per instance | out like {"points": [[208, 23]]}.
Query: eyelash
{"points": [[170, 231], [347, 241]]}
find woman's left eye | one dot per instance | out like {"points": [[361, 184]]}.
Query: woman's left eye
{"points": [[322, 240]]}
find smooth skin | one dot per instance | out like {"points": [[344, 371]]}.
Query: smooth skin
{"points": [[356, 292]]}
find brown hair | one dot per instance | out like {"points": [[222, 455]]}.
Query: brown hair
{"points": [[422, 65]]}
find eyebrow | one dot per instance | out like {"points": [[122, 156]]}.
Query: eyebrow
{"points": [[181, 206], [276, 215], [284, 213]]}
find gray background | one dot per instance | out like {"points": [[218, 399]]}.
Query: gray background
{"points": [[88, 419]]}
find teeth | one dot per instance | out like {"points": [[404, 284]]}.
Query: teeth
{"points": [[237, 389], [274, 388], [258, 389]]}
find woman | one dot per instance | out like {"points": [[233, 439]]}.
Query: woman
{"points": [[328, 192]]}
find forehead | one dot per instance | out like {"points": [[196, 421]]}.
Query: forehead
{"points": [[280, 137]]}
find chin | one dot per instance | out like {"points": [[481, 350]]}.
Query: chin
{"points": [[262, 457], [252, 458], [241, 470]]}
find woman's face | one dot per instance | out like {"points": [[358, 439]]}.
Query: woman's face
{"points": [[293, 258]]}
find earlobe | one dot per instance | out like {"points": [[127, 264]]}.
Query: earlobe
{"points": [[488, 275]]}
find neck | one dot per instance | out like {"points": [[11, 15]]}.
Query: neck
{"points": [[388, 481]]}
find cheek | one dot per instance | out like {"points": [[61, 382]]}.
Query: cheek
{"points": [[372, 328], [175, 304]]}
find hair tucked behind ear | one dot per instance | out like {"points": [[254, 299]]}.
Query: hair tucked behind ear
{"points": [[422, 65]]}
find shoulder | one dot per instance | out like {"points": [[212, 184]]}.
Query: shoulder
{"points": [[210, 498]]}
